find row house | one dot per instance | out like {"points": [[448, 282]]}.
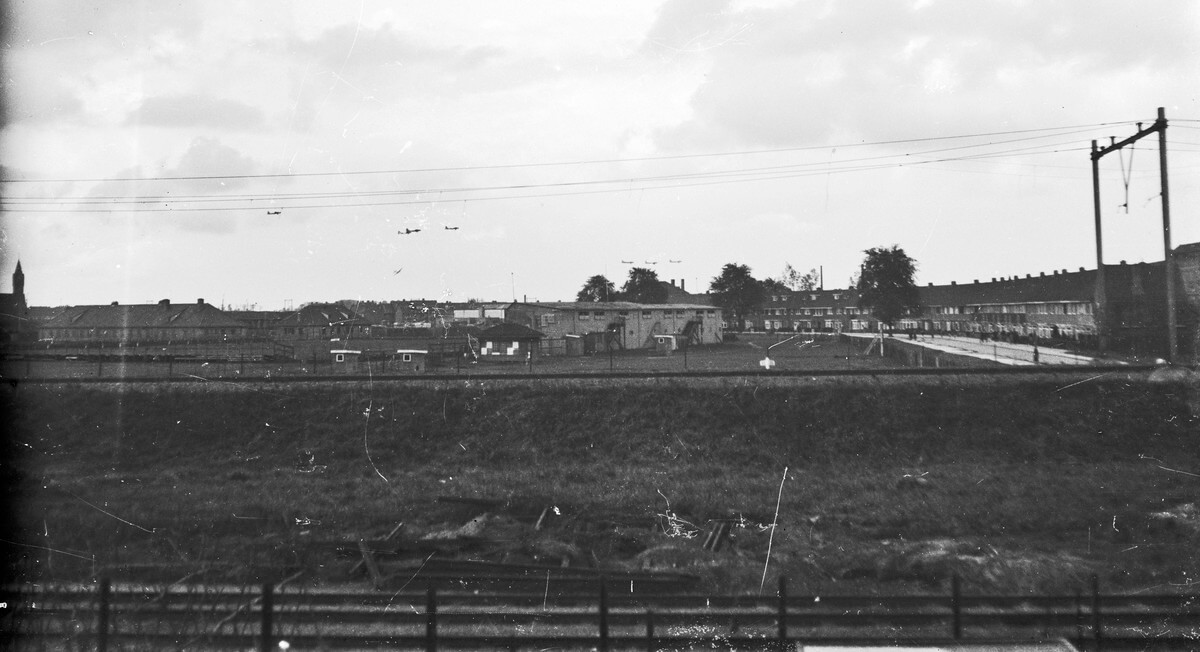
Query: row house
{"points": [[811, 310]]}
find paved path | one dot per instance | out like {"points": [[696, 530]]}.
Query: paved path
{"points": [[1002, 352]]}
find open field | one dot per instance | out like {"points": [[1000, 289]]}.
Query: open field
{"points": [[805, 352], [1016, 485]]}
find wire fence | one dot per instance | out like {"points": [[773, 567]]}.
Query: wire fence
{"points": [[276, 616]]}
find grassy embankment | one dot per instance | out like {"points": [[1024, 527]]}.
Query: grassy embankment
{"points": [[1026, 485]]}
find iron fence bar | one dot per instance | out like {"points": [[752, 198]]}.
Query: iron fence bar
{"points": [[268, 592], [102, 628], [782, 611], [431, 620], [650, 647], [603, 617], [956, 606]]}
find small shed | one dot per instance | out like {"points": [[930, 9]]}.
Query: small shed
{"points": [[508, 341], [665, 344], [574, 344], [344, 361], [410, 360]]}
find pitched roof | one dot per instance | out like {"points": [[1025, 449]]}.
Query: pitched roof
{"points": [[510, 331], [617, 305], [156, 315], [322, 314], [1070, 286]]}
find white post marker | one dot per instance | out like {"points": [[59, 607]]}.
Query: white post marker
{"points": [[766, 363]]}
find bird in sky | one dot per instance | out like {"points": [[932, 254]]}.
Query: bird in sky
{"points": [[450, 228], [408, 231], [651, 262], [274, 212], [627, 262], [397, 271], [674, 261]]}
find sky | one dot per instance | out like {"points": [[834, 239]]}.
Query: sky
{"points": [[266, 154]]}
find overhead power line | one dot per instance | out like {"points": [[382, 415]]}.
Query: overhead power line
{"points": [[723, 178], [463, 168]]}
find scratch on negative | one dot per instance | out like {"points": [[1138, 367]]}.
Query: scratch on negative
{"points": [[1194, 475], [1081, 382], [109, 513], [414, 576]]}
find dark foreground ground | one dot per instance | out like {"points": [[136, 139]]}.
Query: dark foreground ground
{"points": [[884, 486]]}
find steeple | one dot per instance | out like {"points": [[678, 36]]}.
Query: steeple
{"points": [[18, 285]]}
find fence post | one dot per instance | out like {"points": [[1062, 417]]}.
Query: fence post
{"points": [[1078, 617], [782, 612], [431, 620], [649, 631], [603, 616], [267, 600], [1097, 632], [956, 605], [102, 626]]}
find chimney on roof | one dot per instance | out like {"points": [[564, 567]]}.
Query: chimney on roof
{"points": [[166, 303], [113, 303], [1029, 276], [930, 284], [672, 282], [1081, 269], [1040, 274], [977, 280], [1122, 262], [993, 279], [681, 286], [200, 301], [953, 282]]}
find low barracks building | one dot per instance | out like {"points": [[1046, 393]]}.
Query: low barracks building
{"points": [[142, 324], [631, 325]]}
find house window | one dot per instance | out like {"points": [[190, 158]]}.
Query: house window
{"points": [[646, 314], [599, 313], [339, 357], [583, 316], [406, 357], [678, 313]]}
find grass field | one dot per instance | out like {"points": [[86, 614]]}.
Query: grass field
{"points": [[821, 352], [1015, 485]]}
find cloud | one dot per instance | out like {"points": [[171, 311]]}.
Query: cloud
{"points": [[881, 70], [187, 110]]}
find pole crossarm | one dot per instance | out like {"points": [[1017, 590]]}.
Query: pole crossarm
{"points": [[1159, 125]]}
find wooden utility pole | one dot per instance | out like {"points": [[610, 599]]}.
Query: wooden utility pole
{"points": [[1159, 126]]}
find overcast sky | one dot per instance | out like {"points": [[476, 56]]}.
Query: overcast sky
{"points": [[147, 145]]}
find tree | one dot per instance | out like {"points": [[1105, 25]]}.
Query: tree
{"points": [[773, 286], [886, 284], [597, 288], [737, 292], [643, 286], [794, 280]]}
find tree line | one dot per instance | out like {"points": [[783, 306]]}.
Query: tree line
{"points": [[886, 286]]}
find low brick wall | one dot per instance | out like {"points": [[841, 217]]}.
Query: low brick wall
{"points": [[912, 354]]}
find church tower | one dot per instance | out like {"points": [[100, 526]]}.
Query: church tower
{"points": [[19, 284]]}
